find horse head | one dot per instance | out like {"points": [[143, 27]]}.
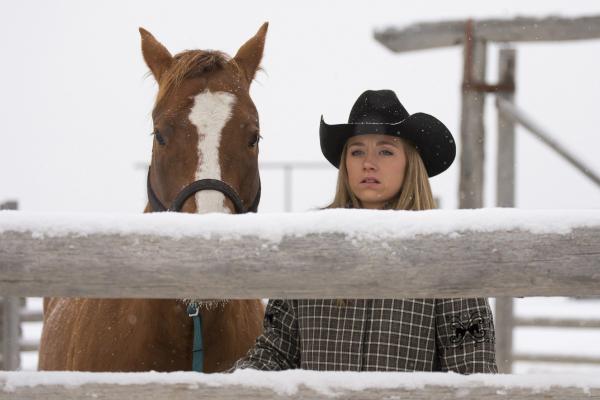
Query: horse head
{"points": [[206, 128], [205, 131]]}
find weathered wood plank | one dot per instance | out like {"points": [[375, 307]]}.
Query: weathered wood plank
{"points": [[504, 325], [430, 35], [185, 392], [29, 345], [557, 323], [490, 264], [31, 315], [505, 175], [10, 337], [512, 112], [1, 333], [505, 197], [323, 385], [551, 358], [9, 205], [472, 131]]}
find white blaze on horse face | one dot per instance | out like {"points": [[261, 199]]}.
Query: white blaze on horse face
{"points": [[209, 114]]}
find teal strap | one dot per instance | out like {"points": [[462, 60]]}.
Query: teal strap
{"points": [[197, 349]]}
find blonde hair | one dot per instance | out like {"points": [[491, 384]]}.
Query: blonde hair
{"points": [[414, 194]]}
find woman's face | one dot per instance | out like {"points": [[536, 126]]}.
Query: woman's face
{"points": [[375, 165]]}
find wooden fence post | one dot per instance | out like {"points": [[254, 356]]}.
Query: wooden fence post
{"points": [[10, 336], [9, 321], [505, 197], [472, 130]]}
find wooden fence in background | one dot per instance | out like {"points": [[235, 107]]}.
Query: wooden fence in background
{"points": [[474, 36], [10, 333]]}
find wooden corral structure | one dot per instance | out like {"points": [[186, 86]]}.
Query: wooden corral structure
{"points": [[241, 261], [38, 261], [474, 36]]}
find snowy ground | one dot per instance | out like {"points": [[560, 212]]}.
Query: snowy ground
{"points": [[581, 342]]}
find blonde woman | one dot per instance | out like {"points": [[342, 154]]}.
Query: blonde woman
{"points": [[385, 157]]}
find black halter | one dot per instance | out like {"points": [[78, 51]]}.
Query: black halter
{"points": [[197, 186]]}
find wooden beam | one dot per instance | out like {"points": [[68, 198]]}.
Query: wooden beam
{"points": [[551, 358], [9, 205], [429, 35], [505, 197], [293, 385], [29, 345], [10, 338], [472, 130], [31, 315], [511, 111], [505, 175], [328, 265], [1, 333], [504, 325], [557, 323]]}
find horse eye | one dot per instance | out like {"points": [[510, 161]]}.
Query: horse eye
{"points": [[159, 137], [254, 141]]}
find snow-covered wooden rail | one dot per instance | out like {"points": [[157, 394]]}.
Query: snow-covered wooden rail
{"points": [[323, 254], [429, 35], [334, 253], [260, 385]]}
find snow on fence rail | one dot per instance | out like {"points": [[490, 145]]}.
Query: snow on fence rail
{"points": [[322, 254], [333, 253], [295, 384]]}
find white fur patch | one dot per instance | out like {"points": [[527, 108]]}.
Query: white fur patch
{"points": [[210, 113]]}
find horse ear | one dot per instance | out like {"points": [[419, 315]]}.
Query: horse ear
{"points": [[249, 55], [156, 55]]}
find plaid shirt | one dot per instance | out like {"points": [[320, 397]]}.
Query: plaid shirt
{"points": [[376, 335]]}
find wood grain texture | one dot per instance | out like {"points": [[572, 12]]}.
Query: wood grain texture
{"points": [[236, 392], [472, 130], [505, 197], [514, 113], [488, 264], [450, 33], [10, 333]]}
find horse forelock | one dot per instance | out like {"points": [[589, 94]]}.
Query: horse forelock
{"points": [[189, 64]]}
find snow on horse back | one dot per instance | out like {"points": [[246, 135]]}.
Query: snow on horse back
{"points": [[204, 159]]}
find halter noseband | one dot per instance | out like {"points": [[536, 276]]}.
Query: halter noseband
{"points": [[197, 186]]}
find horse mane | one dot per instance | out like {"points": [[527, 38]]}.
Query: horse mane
{"points": [[189, 64]]}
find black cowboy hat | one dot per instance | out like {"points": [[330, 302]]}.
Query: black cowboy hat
{"points": [[380, 112]]}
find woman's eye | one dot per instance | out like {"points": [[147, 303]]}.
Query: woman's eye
{"points": [[386, 153], [356, 153]]}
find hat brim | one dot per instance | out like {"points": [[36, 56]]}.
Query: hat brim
{"points": [[429, 135]]}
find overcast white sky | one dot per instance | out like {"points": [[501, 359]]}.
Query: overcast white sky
{"points": [[75, 105]]}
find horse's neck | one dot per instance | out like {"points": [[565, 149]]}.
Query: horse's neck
{"points": [[220, 316], [233, 328]]}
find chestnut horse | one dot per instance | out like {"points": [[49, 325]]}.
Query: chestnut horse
{"points": [[205, 129]]}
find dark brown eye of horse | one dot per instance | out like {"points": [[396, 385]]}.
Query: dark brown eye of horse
{"points": [[159, 137], [254, 141]]}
